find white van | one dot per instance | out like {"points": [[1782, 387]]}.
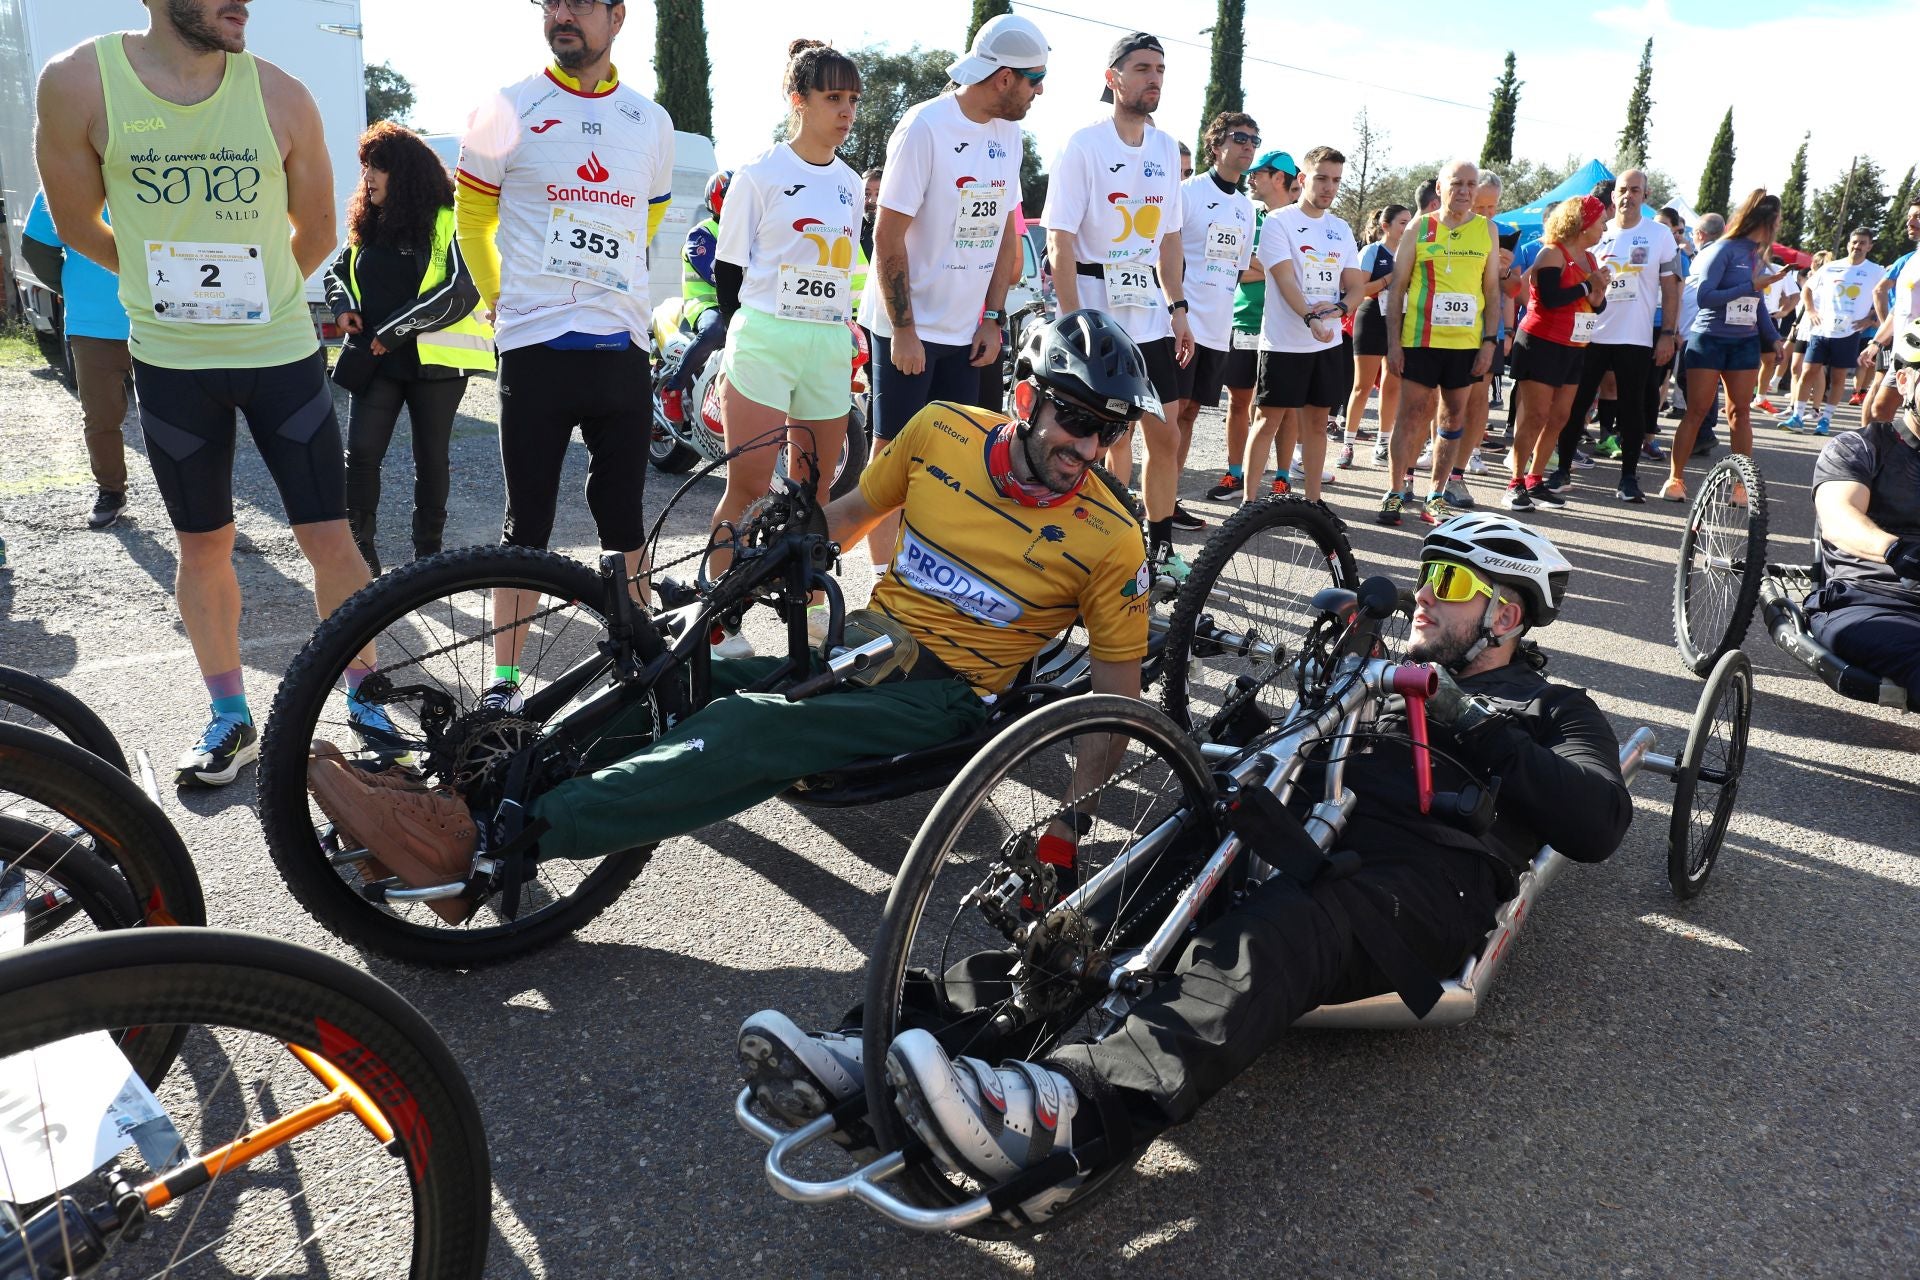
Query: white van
{"points": [[317, 41], [693, 164]]}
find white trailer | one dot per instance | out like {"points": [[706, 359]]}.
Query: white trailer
{"points": [[317, 41]]}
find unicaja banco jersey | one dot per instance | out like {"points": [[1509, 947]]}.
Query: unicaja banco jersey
{"points": [[984, 582], [575, 173], [1446, 292], [199, 199]]}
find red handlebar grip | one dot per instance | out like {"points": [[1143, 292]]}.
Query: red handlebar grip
{"points": [[1416, 682]]}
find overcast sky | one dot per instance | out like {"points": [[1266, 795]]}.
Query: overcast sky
{"points": [[1423, 71]]}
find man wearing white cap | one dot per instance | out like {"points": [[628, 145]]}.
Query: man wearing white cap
{"points": [[945, 247], [1113, 217]]}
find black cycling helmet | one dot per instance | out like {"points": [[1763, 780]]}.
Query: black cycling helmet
{"points": [[1087, 357]]}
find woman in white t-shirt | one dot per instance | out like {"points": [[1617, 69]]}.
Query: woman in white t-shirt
{"points": [[783, 269]]}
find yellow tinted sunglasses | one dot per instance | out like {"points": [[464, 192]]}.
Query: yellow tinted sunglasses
{"points": [[1453, 583]]}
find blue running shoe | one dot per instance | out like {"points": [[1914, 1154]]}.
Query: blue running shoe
{"points": [[228, 745], [1824, 427], [1793, 422]]}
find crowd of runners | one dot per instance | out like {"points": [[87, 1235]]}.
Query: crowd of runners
{"points": [[1228, 270]]}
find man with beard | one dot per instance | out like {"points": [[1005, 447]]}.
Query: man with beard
{"points": [[1006, 539], [219, 239], [946, 248], [1114, 215], [1419, 899], [563, 180]]}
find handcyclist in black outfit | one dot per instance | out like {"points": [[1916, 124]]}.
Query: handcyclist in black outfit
{"points": [[1423, 897]]}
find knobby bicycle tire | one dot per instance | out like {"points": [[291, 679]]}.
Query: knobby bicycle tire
{"points": [[71, 718], [291, 839], [1313, 519], [887, 972], [244, 982]]}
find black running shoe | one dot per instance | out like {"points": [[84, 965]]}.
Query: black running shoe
{"points": [[107, 508]]}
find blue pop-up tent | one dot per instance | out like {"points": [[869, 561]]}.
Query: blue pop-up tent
{"points": [[1579, 183]]}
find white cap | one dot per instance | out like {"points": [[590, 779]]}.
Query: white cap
{"points": [[1007, 41]]}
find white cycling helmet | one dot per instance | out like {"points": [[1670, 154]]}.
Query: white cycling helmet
{"points": [[1503, 550]]}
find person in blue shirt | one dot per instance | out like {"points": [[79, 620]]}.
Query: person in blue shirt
{"points": [[96, 331]]}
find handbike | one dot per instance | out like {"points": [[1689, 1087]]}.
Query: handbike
{"points": [[1164, 824], [311, 1123], [1724, 571]]}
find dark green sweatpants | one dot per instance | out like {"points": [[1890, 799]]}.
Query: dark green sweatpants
{"points": [[741, 749]]}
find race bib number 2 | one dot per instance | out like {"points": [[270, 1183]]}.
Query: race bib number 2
{"points": [[195, 283], [599, 252]]}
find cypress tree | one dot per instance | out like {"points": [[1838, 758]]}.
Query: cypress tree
{"points": [[985, 11], [1498, 148], [1631, 150], [1716, 180], [1223, 79], [1891, 241], [1793, 198], [681, 66]]}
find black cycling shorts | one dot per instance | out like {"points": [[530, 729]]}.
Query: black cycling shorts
{"points": [[1202, 378], [1296, 379], [1162, 369], [1370, 330], [187, 416], [544, 395]]}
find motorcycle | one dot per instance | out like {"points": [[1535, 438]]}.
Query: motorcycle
{"points": [[686, 424]]}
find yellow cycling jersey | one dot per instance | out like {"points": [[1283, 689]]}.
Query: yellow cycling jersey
{"points": [[984, 581]]}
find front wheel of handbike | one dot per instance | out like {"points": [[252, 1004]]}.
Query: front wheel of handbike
{"points": [[1127, 779], [371, 1155], [1723, 556], [430, 626]]}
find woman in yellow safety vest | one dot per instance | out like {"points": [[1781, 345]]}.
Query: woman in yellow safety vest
{"points": [[401, 293]]}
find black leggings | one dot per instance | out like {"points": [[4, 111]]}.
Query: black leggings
{"points": [[1632, 367], [431, 404], [544, 395], [1249, 975]]}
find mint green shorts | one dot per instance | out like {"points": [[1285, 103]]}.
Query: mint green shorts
{"points": [[796, 365]]}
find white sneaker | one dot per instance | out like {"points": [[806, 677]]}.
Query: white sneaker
{"points": [[1381, 456], [1346, 455], [733, 645], [1476, 465], [800, 1077], [503, 695], [989, 1123], [1459, 495], [1425, 459]]}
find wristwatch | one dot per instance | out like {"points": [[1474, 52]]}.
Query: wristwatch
{"points": [[1178, 306], [991, 314]]}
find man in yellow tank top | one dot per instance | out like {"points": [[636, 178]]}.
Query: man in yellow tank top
{"points": [[1446, 291], [222, 195]]}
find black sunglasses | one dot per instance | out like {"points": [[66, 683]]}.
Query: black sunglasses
{"points": [[1083, 423], [1243, 138]]}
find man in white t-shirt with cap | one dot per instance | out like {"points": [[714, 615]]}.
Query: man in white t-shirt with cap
{"points": [[946, 249], [1113, 219]]}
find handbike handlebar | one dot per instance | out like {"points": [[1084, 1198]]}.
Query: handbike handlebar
{"points": [[841, 666], [1416, 682]]}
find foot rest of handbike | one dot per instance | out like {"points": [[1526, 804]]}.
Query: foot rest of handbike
{"points": [[863, 1184]]}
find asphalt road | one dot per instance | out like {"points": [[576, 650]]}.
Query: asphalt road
{"points": [[1722, 1088]]}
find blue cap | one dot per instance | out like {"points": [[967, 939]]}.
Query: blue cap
{"points": [[1278, 160]]}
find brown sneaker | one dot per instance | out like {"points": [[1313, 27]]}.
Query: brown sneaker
{"points": [[424, 837]]}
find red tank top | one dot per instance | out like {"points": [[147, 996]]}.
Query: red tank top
{"points": [[1558, 324]]}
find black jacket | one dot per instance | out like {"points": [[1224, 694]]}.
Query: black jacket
{"points": [[452, 301]]}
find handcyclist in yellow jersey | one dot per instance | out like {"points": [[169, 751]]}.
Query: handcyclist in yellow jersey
{"points": [[222, 193], [1446, 288]]}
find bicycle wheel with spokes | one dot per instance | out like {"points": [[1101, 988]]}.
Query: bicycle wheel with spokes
{"points": [[1707, 781], [956, 953], [64, 889], [319, 1126], [1246, 606], [1723, 556], [34, 703], [430, 630]]}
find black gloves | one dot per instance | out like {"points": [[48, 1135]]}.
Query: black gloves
{"points": [[1452, 709], [1903, 557]]}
